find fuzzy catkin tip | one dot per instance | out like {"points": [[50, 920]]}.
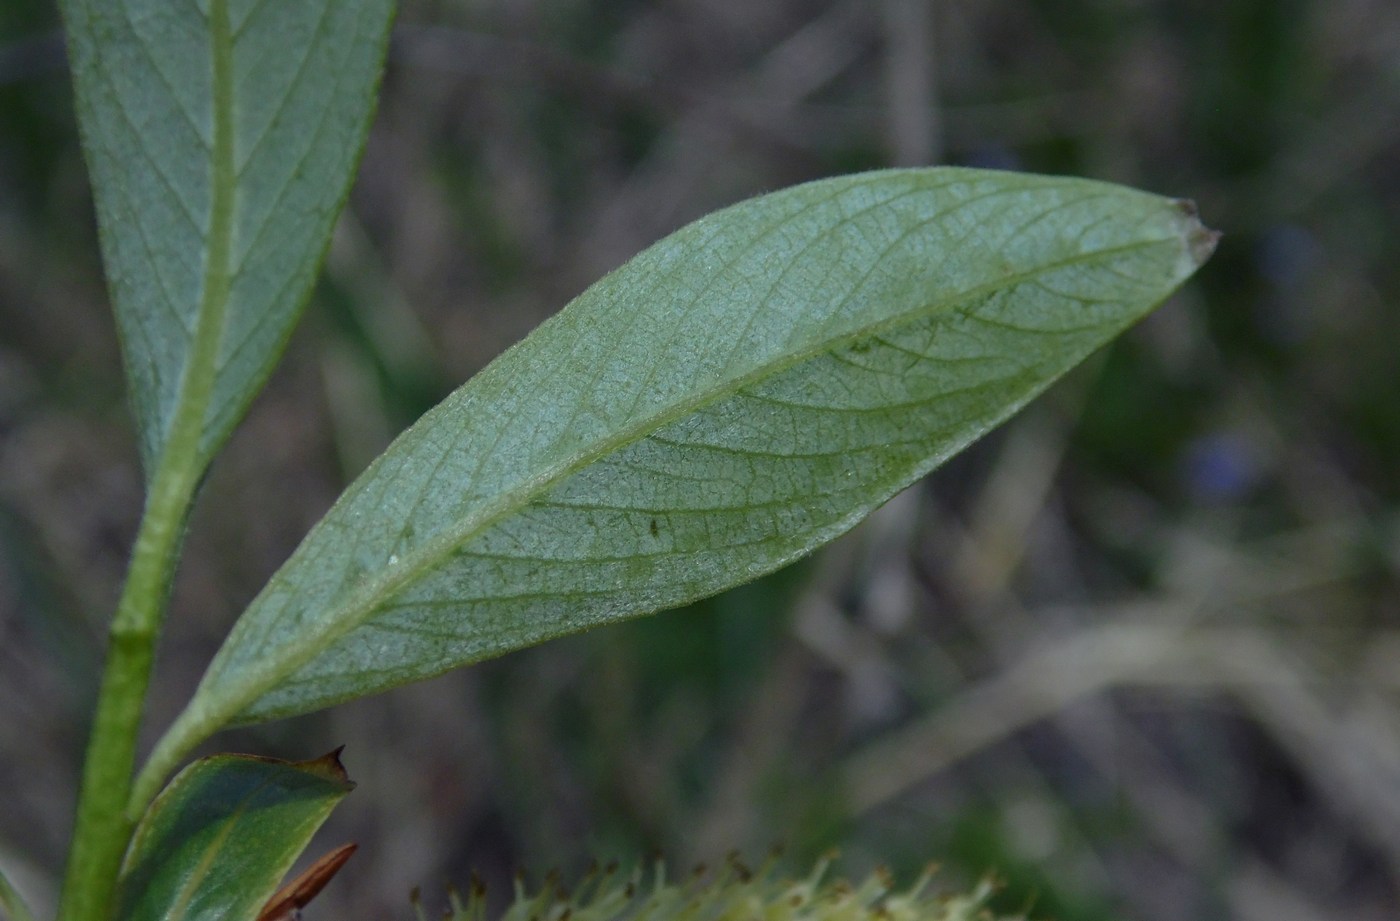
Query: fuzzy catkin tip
{"points": [[733, 892]]}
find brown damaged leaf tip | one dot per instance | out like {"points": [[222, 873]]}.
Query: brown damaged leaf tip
{"points": [[329, 767], [287, 903], [1201, 240]]}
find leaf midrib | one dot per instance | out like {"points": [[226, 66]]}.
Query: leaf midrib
{"points": [[180, 463], [361, 605], [211, 852], [198, 386], [179, 909]]}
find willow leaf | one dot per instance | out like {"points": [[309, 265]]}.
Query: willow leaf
{"points": [[741, 392], [217, 841], [221, 137]]}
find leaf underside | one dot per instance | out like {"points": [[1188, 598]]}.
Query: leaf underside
{"points": [[217, 841], [221, 137], [736, 395]]}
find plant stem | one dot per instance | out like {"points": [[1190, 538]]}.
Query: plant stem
{"points": [[103, 827]]}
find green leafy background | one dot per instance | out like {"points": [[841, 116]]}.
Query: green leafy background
{"points": [[1135, 652]]}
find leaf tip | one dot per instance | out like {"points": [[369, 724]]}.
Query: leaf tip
{"points": [[1200, 239], [329, 767]]}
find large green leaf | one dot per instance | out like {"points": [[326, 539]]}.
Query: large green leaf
{"points": [[221, 136], [217, 841], [736, 395]]}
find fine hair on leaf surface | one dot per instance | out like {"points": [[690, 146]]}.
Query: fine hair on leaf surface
{"points": [[736, 395]]}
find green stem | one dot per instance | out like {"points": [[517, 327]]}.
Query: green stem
{"points": [[103, 828], [104, 825]]}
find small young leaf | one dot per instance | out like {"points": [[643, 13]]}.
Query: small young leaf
{"points": [[217, 841], [221, 137], [736, 395], [287, 903]]}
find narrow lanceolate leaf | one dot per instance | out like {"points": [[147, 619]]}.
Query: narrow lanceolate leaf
{"points": [[736, 395], [221, 136], [288, 902], [217, 841]]}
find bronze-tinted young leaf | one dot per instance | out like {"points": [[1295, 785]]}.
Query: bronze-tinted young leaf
{"points": [[738, 394], [286, 904], [217, 841], [221, 137]]}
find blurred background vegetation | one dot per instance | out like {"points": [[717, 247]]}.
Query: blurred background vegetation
{"points": [[1138, 653]]}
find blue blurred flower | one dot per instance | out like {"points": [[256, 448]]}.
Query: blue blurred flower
{"points": [[1221, 467]]}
